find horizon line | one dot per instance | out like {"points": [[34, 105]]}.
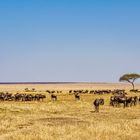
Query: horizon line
{"points": [[2, 83]]}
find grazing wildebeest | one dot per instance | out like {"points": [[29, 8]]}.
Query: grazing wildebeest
{"points": [[117, 100], [97, 103], [131, 100], [122, 99], [112, 101], [53, 97], [134, 100], [77, 96], [39, 97], [21, 97], [119, 92]]}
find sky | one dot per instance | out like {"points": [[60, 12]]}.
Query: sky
{"points": [[69, 40]]}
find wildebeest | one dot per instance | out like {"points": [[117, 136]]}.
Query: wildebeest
{"points": [[134, 100], [50, 91], [39, 97], [119, 92], [53, 97], [77, 96], [131, 101], [97, 103], [117, 100]]}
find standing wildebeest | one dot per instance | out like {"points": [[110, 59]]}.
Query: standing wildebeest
{"points": [[117, 100], [131, 100], [53, 97], [77, 96], [135, 100], [97, 103]]}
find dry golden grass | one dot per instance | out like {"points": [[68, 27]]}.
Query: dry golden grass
{"points": [[67, 119]]}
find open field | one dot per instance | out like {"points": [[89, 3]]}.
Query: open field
{"points": [[67, 119]]}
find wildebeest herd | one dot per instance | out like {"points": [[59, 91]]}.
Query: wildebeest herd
{"points": [[125, 100], [117, 100], [21, 97], [116, 91], [119, 97]]}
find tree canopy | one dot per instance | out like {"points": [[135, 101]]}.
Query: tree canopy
{"points": [[129, 78]]}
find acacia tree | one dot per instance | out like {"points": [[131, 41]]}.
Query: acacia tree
{"points": [[130, 78]]}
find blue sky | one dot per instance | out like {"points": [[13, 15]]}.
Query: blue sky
{"points": [[69, 40]]}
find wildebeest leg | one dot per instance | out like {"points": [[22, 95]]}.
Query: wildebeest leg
{"points": [[114, 104], [97, 108], [134, 103], [125, 104]]}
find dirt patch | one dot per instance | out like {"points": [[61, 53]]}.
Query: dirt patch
{"points": [[62, 121], [21, 126]]}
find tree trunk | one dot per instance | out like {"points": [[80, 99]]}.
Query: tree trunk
{"points": [[133, 85]]}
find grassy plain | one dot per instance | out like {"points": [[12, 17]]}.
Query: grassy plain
{"points": [[67, 119]]}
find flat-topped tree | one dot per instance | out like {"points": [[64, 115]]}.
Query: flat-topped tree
{"points": [[130, 78]]}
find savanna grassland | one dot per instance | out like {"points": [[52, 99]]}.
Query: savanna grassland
{"points": [[68, 119]]}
